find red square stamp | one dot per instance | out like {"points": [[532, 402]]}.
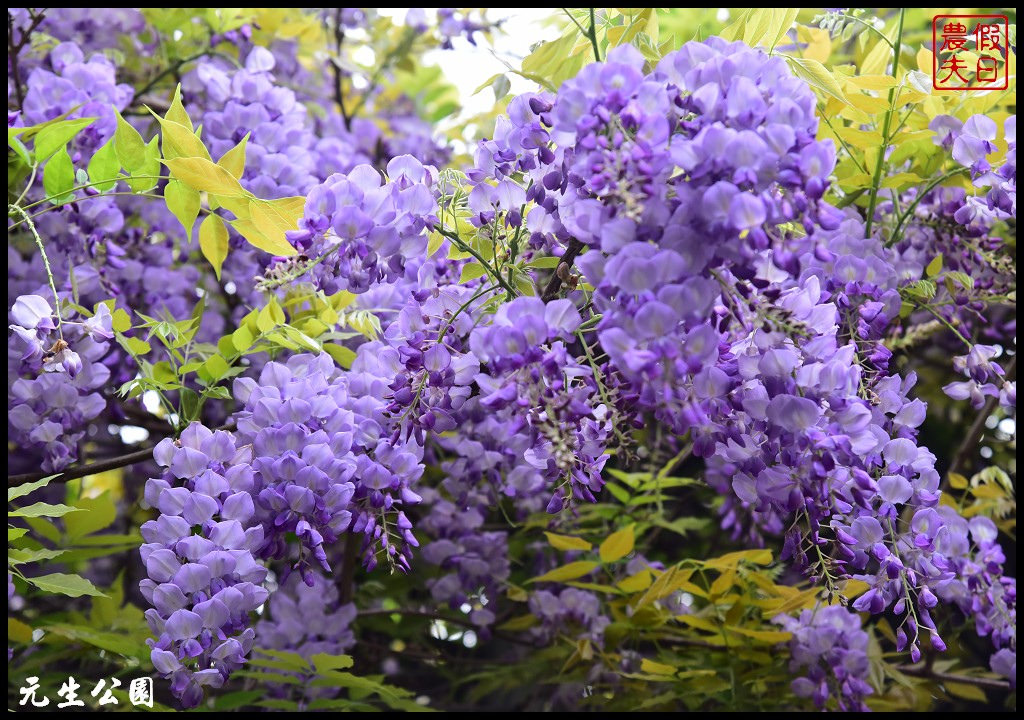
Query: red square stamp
{"points": [[970, 52]]}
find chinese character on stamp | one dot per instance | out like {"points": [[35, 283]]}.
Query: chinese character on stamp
{"points": [[970, 52]]}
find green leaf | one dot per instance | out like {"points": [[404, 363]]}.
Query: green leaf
{"points": [[242, 339], [215, 368], [501, 86], [213, 241], [617, 545], [121, 321], [267, 320], [965, 691], [104, 168], [19, 556], [42, 509], [272, 220], [567, 542], [44, 527], [935, 266], [99, 513], [472, 271], [57, 135], [234, 159], [567, 572], [22, 490], [13, 533], [128, 145], [64, 584], [131, 645], [547, 262], [134, 345], [59, 177], [324, 663]]}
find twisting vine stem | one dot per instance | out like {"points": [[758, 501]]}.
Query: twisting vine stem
{"points": [[46, 263]]}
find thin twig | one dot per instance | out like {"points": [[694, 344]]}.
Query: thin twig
{"points": [[880, 162], [977, 427], [339, 93], [923, 671]]}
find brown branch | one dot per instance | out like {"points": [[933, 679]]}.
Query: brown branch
{"points": [[97, 467], [562, 271], [339, 92], [923, 671], [348, 569], [977, 428], [83, 470], [13, 48]]}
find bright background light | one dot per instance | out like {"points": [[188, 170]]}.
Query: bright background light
{"points": [[467, 66]]}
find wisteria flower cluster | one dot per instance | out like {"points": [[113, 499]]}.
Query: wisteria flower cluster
{"points": [[665, 379], [201, 558]]}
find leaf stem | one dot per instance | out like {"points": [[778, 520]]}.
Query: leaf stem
{"points": [[593, 35], [46, 264], [880, 162]]}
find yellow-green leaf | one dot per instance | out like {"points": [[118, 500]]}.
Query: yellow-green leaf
{"points": [[180, 141], [965, 691], [41, 509], [617, 545], [147, 174], [64, 584], [213, 241], [183, 202], [472, 271], [234, 159], [59, 177], [817, 76], [176, 112], [522, 622], [129, 145], [567, 542], [341, 354], [257, 239], [567, 572], [18, 631], [767, 636], [103, 168], [656, 668], [957, 481], [206, 176], [637, 582], [56, 135]]}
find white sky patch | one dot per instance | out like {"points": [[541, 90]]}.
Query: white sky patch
{"points": [[467, 66]]}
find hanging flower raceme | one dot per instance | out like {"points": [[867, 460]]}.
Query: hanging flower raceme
{"points": [[200, 555], [55, 375], [359, 229], [531, 374]]}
